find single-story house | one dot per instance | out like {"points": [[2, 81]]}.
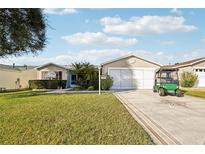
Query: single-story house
{"points": [[15, 77], [131, 72], [197, 66], [128, 72]]}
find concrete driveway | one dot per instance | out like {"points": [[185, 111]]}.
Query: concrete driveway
{"points": [[169, 119]]}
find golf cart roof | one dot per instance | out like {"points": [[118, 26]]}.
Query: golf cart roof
{"points": [[166, 69]]}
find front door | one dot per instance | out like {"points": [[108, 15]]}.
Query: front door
{"points": [[73, 80]]}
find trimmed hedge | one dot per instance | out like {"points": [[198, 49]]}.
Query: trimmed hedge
{"points": [[47, 84]]}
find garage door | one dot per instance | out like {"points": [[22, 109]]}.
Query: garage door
{"points": [[132, 78], [201, 77]]}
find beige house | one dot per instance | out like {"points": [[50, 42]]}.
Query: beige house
{"points": [[197, 66], [15, 77], [129, 72]]}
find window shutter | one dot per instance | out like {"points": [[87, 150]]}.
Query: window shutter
{"points": [[60, 75]]}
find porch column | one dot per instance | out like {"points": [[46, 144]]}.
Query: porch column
{"points": [[99, 78]]}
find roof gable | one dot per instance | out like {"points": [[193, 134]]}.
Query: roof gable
{"points": [[49, 64], [129, 56]]}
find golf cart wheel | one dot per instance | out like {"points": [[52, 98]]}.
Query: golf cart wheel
{"points": [[179, 93], [154, 90], [162, 92]]}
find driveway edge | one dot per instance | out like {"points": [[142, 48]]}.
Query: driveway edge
{"points": [[158, 134]]}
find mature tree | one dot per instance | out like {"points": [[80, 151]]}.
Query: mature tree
{"points": [[22, 31]]}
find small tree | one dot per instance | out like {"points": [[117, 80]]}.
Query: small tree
{"points": [[87, 74], [107, 83], [188, 79]]}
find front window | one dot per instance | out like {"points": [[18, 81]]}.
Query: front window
{"points": [[169, 77], [51, 75]]}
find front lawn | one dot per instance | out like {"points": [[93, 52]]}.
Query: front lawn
{"points": [[197, 92], [39, 118]]}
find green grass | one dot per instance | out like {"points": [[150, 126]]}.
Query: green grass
{"points": [[39, 118], [195, 92]]}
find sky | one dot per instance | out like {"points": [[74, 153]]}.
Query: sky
{"points": [[166, 36]]}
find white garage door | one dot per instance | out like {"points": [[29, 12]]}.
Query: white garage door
{"points": [[201, 77], [132, 78]]}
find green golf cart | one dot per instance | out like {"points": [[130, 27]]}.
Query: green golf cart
{"points": [[167, 81]]}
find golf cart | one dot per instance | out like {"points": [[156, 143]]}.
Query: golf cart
{"points": [[167, 81]]}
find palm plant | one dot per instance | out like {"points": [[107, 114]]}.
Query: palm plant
{"points": [[77, 69], [90, 72], [86, 74]]}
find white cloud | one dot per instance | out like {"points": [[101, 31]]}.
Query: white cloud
{"points": [[145, 25], [203, 40], [93, 56], [96, 56], [176, 11], [97, 39], [87, 21], [159, 53], [60, 11], [167, 42], [193, 54]]}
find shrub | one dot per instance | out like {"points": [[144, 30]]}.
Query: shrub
{"points": [[107, 83], [14, 90], [76, 88], [47, 84], [90, 88], [188, 79]]}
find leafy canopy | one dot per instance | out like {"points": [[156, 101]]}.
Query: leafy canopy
{"points": [[21, 31]]}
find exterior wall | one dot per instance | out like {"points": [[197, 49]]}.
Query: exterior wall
{"points": [[139, 63], [185, 69], [26, 76], [8, 78], [201, 64], [52, 68]]}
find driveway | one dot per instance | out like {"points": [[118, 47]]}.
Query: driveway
{"points": [[169, 119]]}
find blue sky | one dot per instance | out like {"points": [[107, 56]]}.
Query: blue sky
{"points": [[98, 35]]}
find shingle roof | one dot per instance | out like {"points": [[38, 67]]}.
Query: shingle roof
{"points": [[16, 68], [184, 64], [8, 67], [25, 67], [189, 62]]}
